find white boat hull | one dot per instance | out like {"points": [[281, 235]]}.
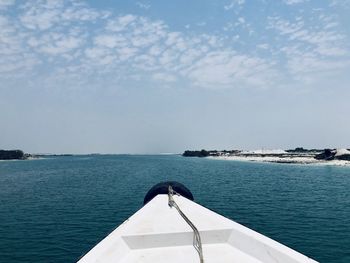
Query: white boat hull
{"points": [[157, 233]]}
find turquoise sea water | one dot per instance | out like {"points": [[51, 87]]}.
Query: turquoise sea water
{"points": [[56, 209]]}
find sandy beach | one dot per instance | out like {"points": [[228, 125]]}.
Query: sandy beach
{"points": [[289, 160]]}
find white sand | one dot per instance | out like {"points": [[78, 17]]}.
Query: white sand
{"points": [[296, 160], [342, 152], [265, 151]]}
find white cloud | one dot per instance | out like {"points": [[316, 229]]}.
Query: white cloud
{"points": [[241, 20], [17, 63], [309, 63], [6, 3], [110, 41], [293, 2], [309, 51], [43, 15], [13, 57], [234, 3], [39, 19], [164, 77], [263, 46], [96, 52], [146, 62], [143, 5], [62, 44], [156, 50], [231, 70], [83, 14], [319, 40], [68, 36], [10, 41], [340, 3], [127, 52], [150, 46], [120, 23]]}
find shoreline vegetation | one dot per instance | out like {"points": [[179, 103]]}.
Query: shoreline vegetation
{"points": [[293, 156], [11, 155], [7, 155], [14, 155]]}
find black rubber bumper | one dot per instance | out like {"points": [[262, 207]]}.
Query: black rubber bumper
{"points": [[162, 188]]}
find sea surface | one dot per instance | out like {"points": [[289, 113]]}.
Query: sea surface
{"points": [[57, 209]]}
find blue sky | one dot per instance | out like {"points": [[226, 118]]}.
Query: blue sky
{"points": [[165, 76]]}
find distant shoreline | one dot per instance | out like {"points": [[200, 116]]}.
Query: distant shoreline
{"points": [[336, 157]]}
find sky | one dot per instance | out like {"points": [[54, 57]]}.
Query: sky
{"points": [[166, 76]]}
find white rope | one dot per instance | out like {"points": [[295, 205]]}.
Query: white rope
{"points": [[197, 243]]}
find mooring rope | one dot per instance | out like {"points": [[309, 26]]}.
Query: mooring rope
{"points": [[197, 243]]}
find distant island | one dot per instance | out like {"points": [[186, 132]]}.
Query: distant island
{"points": [[14, 155], [297, 155]]}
